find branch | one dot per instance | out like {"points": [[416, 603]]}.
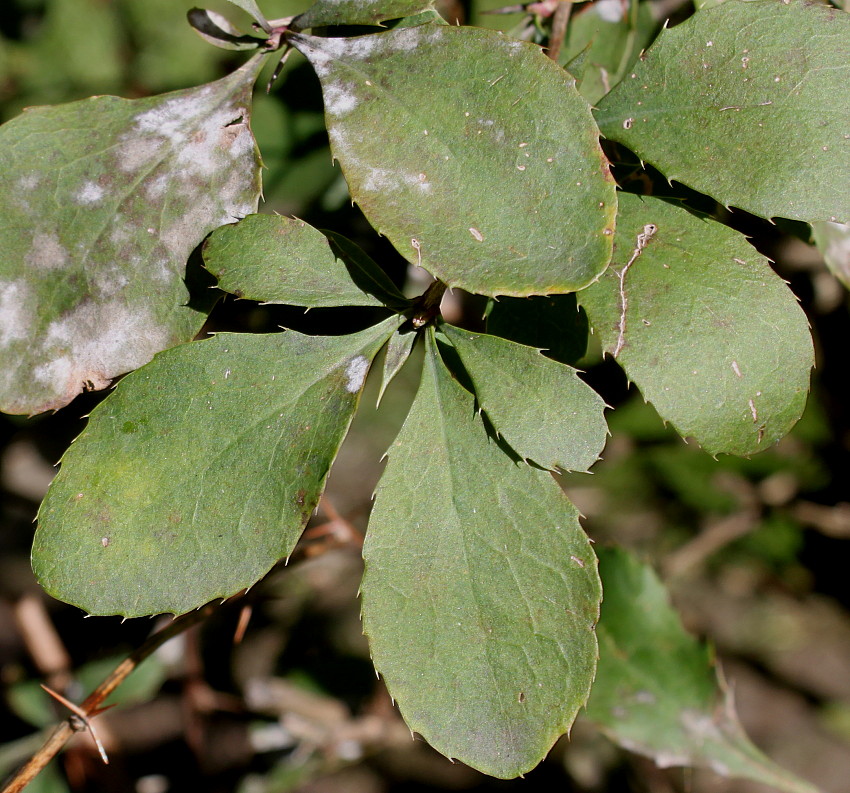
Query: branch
{"points": [[559, 28], [92, 704]]}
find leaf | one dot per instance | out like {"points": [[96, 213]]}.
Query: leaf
{"points": [[253, 10], [399, 348], [358, 12], [366, 272], [701, 324], [285, 260], [608, 40], [101, 203], [480, 591], [833, 241], [554, 323], [656, 692], [539, 406], [218, 30], [449, 143], [200, 471], [760, 121]]}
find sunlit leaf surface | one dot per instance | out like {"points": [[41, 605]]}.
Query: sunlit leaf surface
{"points": [[480, 592], [748, 102], [539, 406], [451, 144], [713, 338], [200, 471]]}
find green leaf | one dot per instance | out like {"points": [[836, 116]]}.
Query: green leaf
{"points": [[553, 323], [833, 241], [608, 42], [358, 12], [285, 260], [398, 351], [708, 332], [760, 121], [656, 691], [101, 203], [366, 272], [480, 592], [200, 471], [539, 406], [218, 30], [253, 10], [451, 145]]}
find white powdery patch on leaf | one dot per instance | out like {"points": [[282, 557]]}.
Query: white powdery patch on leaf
{"points": [[46, 253], [90, 193], [156, 186], [15, 319], [322, 54], [339, 98], [355, 373], [96, 342], [202, 135], [379, 180]]}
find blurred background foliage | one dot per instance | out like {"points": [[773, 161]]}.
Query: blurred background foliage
{"points": [[754, 550]]}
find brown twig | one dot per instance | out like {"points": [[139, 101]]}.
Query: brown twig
{"points": [[92, 704], [560, 21]]}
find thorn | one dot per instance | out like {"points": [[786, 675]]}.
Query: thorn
{"points": [[242, 623], [80, 721]]}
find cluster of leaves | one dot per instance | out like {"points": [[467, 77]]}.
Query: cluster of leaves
{"points": [[479, 159]]}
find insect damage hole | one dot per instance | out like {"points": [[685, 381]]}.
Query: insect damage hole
{"points": [[640, 243]]}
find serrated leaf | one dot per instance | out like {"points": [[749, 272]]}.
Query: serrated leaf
{"points": [[101, 203], [554, 324], [277, 259], [218, 30], [539, 406], [200, 471], [365, 271], [398, 351], [758, 121], [251, 8], [448, 142], [700, 323], [833, 241], [358, 12], [607, 40], [480, 591], [656, 691]]}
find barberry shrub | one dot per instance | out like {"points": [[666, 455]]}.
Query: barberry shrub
{"points": [[479, 158]]}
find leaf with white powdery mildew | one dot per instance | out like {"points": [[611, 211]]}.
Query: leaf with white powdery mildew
{"points": [[200, 471], [448, 142], [713, 338], [101, 203], [748, 102], [539, 406], [480, 592], [656, 691]]}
